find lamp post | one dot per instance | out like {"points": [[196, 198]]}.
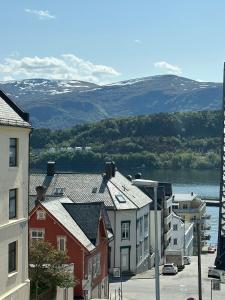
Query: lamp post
{"points": [[143, 183]]}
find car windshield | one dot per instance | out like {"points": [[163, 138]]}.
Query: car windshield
{"points": [[168, 265]]}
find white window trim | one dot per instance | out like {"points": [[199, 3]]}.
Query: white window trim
{"points": [[41, 214], [33, 238], [64, 238]]}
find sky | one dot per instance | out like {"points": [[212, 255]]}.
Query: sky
{"points": [[104, 41]]}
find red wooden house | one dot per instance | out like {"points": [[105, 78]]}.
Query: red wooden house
{"points": [[83, 231]]}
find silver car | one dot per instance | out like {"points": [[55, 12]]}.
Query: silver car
{"points": [[169, 269]]}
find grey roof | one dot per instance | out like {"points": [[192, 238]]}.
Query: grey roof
{"points": [[81, 188], [87, 216], [11, 114], [86, 188], [55, 206], [133, 193]]}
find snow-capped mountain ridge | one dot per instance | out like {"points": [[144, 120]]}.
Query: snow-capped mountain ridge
{"points": [[73, 101]]}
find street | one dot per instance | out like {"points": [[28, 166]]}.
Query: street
{"points": [[172, 287]]}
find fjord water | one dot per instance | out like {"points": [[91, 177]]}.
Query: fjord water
{"points": [[205, 183]]}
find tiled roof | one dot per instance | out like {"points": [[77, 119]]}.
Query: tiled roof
{"points": [[10, 114], [55, 206], [133, 193], [87, 216], [86, 188], [81, 188]]}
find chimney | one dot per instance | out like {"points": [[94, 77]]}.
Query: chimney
{"points": [[41, 190], [138, 176], [129, 177], [50, 168], [110, 169], [113, 166], [192, 193]]}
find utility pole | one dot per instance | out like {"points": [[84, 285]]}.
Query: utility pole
{"points": [[199, 260]]}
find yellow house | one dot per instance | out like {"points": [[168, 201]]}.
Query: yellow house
{"points": [[192, 209], [14, 153]]}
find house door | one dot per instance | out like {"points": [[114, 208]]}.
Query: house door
{"points": [[125, 259]]}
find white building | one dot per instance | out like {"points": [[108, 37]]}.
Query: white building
{"points": [[182, 235], [193, 209], [14, 153]]}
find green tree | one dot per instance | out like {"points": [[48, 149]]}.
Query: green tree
{"points": [[47, 268]]}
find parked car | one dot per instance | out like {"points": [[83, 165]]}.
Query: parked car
{"points": [[213, 272], [169, 269], [187, 260], [211, 249]]}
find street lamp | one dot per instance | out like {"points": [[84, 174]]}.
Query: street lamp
{"points": [[150, 183]]}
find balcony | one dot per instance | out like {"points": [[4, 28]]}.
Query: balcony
{"points": [[168, 234], [205, 237], [168, 219], [206, 227], [206, 217], [168, 203], [192, 209]]}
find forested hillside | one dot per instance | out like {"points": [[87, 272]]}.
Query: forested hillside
{"points": [[167, 140]]}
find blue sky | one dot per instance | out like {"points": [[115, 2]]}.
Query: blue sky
{"points": [[107, 41]]}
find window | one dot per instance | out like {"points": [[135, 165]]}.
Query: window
{"points": [[12, 256], [12, 203], [175, 241], [61, 243], [146, 224], [185, 206], [146, 246], [13, 145], [96, 265], [175, 227], [37, 234], [98, 259], [141, 227], [41, 215], [125, 230]]}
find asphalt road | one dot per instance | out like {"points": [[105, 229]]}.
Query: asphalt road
{"points": [[172, 287]]}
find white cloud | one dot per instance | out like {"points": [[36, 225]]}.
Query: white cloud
{"points": [[8, 78], [42, 14], [171, 69], [137, 42], [67, 67]]}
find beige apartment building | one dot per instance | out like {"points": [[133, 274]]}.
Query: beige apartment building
{"points": [[14, 153]]}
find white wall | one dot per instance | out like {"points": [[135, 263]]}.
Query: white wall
{"points": [[184, 236], [16, 285]]}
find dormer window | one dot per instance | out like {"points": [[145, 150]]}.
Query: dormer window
{"points": [[59, 191], [41, 215]]}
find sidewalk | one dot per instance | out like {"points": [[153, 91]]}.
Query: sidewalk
{"points": [[150, 274]]}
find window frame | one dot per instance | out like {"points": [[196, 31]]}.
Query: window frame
{"points": [[13, 265], [37, 238], [175, 227], [13, 152], [146, 225], [14, 200], [40, 212], [175, 239], [127, 230], [59, 239]]}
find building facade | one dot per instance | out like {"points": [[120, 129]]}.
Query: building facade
{"points": [[182, 236], [192, 209], [81, 231], [126, 205], [14, 158]]}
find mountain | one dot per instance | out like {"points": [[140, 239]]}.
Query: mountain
{"points": [[62, 104]]}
